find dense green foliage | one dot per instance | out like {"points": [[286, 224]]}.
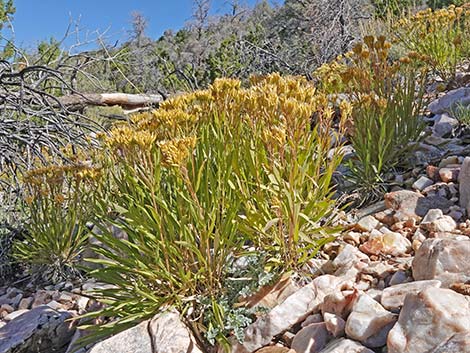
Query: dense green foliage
{"points": [[58, 200], [443, 36], [437, 4], [384, 8]]}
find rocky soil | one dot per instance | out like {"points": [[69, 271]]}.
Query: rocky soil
{"points": [[397, 280]]}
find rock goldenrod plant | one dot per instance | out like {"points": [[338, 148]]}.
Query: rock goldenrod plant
{"points": [[57, 198], [198, 182], [442, 35], [386, 98], [179, 213], [285, 175]]}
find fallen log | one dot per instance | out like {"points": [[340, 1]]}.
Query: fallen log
{"points": [[75, 102]]}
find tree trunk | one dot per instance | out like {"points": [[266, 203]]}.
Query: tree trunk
{"points": [[126, 101]]}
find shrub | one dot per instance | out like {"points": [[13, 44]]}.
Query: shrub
{"points": [[383, 8], [461, 112], [183, 178], [285, 175], [386, 98], [57, 199], [437, 4], [180, 219], [442, 35]]}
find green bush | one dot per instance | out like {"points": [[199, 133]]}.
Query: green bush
{"points": [[288, 193], [181, 224], [198, 183], [386, 98], [461, 112], [58, 201], [443, 36], [437, 4], [384, 8]]}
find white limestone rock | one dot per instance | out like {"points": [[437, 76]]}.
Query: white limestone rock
{"points": [[443, 259], [391, 243], [133, 340], [367, 223], [334, 324], [464, 185], [310, 339], [436, 221], [170, 335], [290, 312], [344, 345], [393, 297], [458, 343], [428, 319], [367, 319]]}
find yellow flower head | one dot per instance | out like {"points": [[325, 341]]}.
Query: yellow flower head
{"points": [[175, 152]]}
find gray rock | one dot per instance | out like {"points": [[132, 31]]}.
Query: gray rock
{"points": [[170, 335], [444, 259], [464, 185], [436, 221], [428, 319], [399, 277], [133, 340], [380, 338], [39, 330], [310, 339], [367, 223], [16, 300], [445, 103], [412, 205], [344, 345], [393, 297], [164, 333], [444, 125], [368, 319], [290, 312], [334, 324], [436, 140], [13, 315], [430, 202], [422, 183], [458, 343]]}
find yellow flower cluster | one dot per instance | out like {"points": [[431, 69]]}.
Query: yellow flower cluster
{"points": [[125, 138], [175, 151], [55, 174], [281, 108], [367, 68], [58, 182], [328, 75], [442, 36]]}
